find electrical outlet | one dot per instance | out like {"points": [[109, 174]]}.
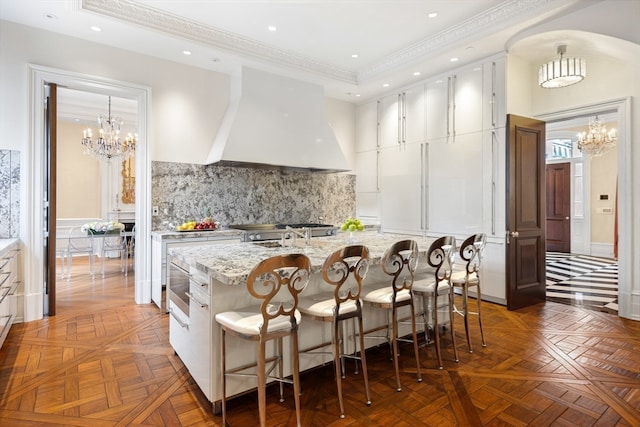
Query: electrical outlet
{"points": [[155, 211]]}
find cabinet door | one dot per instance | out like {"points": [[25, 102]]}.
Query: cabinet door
{"points": [[413, 117], [390, 121], [494, 176], [456, 185], [367, 171], [200, 340], [437, 105], [401, 188], [466, 89], [367, 128], [494, 114]]}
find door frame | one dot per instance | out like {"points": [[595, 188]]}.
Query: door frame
{"points": [[626, 263], [34, 177]]}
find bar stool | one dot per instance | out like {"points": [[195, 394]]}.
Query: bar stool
{"points": [[343, 303], [400, 261], [277, 281], [471, 252], [440, 256]]}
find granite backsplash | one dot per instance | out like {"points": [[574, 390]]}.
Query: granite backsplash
{"points": [[238, 195], [9, 194]]}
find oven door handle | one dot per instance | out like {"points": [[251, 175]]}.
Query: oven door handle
{"points": [[180, 322], [194, 299]]}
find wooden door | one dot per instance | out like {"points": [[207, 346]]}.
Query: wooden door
{"points": [[525, 264], [49, 213], [558, 207]]}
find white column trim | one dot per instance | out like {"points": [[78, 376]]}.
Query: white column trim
{"points": [[32, 175]]}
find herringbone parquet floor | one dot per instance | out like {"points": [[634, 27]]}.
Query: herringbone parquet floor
{"points": [[105, 361]]}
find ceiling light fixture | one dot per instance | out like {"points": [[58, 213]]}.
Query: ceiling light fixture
{"points": [[454, 59], [562, 72], [355, 55], [272, 28], [432, 14], [186, 52], [598, 140], [96, 28], [108, 145]]}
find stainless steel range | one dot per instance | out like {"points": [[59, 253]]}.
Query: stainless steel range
{"points": [[260, 232]]}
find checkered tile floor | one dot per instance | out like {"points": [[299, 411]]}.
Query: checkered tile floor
{"points": [[583, 280]]}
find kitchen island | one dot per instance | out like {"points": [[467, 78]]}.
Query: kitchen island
{"points": [[212, 279]]}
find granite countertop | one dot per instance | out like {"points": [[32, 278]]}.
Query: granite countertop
{"points": [[230, 263], [6, 243], [178, 235]]}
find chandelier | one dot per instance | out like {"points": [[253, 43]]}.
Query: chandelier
{"points": [[109, 144], [598, 140], [562, 72]]}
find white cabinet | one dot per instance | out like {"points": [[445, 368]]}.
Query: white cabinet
{"points": [[455, 183], [367, 171], [454, 104], [368, 126], [402, 117], [438, 108], [401, 183], [190, 323], [8, 287], [494, 111]]}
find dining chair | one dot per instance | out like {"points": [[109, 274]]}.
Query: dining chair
{"points": [[471, 252], [274, 317], [80, 243], [112, 243], [440, 256], [344, 270], [399, 261]]}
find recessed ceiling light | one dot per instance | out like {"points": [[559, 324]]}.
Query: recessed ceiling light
{"points": [[272, 28], [385, 85], [50, 16], [469, 48], [186, 52], [453, 59], [416, 73], [432, 14], [439, 81], [354, 55], [477, 69], [215, 59], [96, 28]]}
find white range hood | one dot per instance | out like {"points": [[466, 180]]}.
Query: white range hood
{"points": [[275, 121]]}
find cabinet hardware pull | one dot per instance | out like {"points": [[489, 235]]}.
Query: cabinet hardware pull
{"points": [[493, 182], [448, 107], [453, 100], [6, 325], [194, 299], [493, 94], [399, 118], [180, 322]]}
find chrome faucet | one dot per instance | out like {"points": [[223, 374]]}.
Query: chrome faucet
{"points": [[306, 235]]}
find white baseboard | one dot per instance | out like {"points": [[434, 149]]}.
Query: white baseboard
{"points": [[604, 250]]}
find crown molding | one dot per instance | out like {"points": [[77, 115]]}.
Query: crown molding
{"points": [[155, 19], [490, 20]]}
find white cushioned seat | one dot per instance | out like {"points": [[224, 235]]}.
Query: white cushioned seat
{"points": [[323, 304], [384, 295], [248, 321]]}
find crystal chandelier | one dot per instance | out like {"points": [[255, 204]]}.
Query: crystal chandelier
{"points": [[598, 140], [562, 72], [109, 144]]}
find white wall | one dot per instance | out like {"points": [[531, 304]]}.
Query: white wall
{"points": [[79, 180], [187, 103]]}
